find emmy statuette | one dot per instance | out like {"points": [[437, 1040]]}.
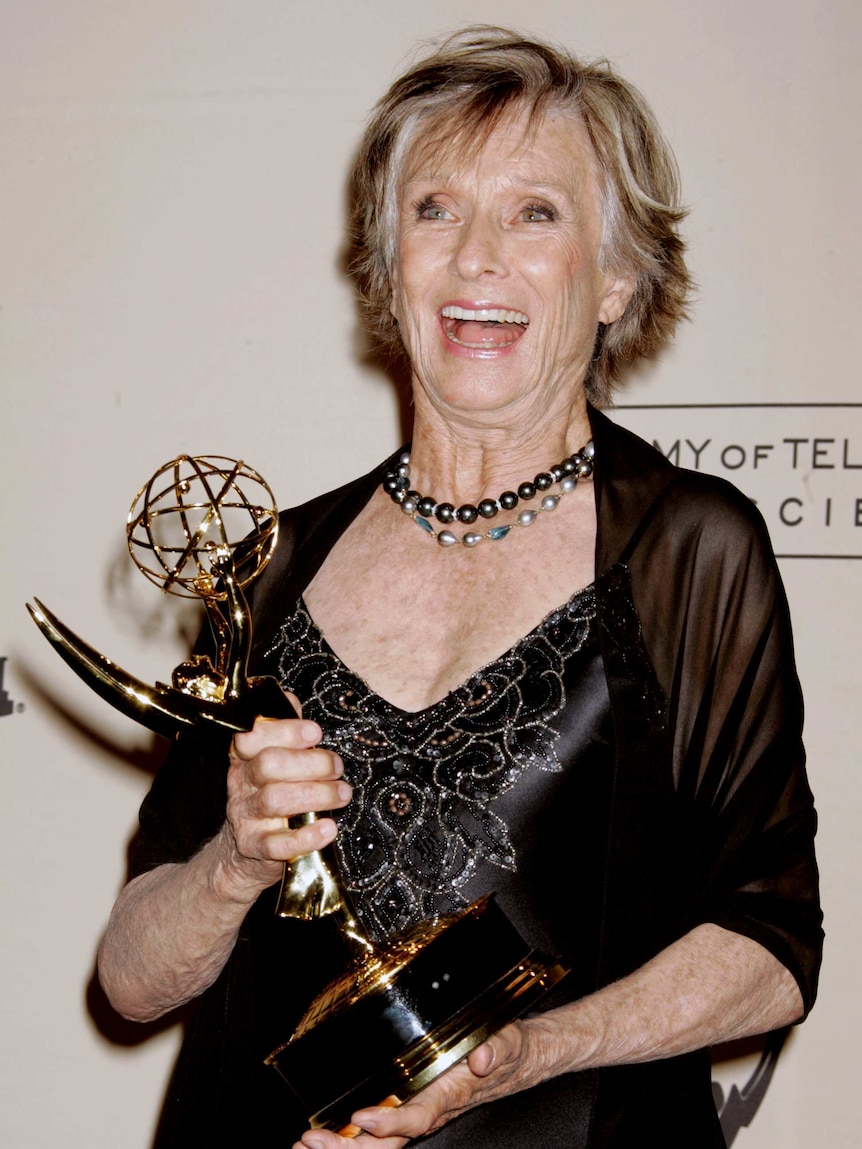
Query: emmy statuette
{"points": [[404, 1010]]}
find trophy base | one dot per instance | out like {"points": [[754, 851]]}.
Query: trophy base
{"points": [[400, 1017]]}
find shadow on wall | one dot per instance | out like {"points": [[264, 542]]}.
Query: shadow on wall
{"points": [[739, 1104], [146, 758], [150, 615], [116, 1029]]}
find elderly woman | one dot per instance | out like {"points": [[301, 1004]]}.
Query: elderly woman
{"points": [[532, 657]]}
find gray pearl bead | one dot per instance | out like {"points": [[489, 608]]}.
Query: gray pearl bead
{"points": [[589, 450], [568, 484], [471, 539], [408, 506], [446, 538], [527, 517], [549, 503]]}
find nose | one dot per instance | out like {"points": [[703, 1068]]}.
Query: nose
{"points": [[480, 249]]}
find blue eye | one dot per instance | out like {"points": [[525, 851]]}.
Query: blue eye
{"points": [[538, 213], [428, 209]]}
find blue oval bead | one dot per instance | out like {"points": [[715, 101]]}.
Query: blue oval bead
{"points": [[498, 532], [424, 524]]}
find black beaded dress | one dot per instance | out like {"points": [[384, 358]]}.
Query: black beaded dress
{"points": [[628, 770]]}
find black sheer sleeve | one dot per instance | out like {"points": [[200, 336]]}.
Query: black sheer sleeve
{"points": [[186, 804], [715, 623], [714, 819]]}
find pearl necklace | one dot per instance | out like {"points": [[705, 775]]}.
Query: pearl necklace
{"points": [[422, 508]]}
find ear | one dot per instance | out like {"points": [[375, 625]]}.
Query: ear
{"points": [[616, 298]]}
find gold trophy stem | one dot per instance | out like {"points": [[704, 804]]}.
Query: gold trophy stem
{"points": [[312, 889], [240, 630]]}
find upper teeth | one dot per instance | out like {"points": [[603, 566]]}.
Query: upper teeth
{"points": [[485, 315]]}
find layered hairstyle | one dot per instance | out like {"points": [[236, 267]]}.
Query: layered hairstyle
{"points": [[452, 99]]}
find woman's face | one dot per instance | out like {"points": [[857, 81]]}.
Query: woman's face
{"points": [[496, 284]]}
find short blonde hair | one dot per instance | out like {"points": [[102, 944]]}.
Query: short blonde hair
{"points": [[472, 79]]}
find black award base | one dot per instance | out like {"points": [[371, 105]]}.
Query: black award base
{"points": [[401, 1016]]}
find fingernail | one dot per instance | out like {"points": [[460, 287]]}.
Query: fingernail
{"points": [[312, 1142], [327, 831], [311, 732], [345, 791]]}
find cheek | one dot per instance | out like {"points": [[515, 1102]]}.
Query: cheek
{"points": [[584, 287], [412, 281], [563, 272], [415, 265], [410, 318]]}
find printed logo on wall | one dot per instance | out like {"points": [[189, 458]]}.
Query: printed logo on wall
{"points": [[801, 463], [7, 706]]}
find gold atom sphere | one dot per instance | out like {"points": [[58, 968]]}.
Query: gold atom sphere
{"points": [[193, 513]]}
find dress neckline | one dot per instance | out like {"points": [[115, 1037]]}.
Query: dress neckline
{"points": [[466, 686]]}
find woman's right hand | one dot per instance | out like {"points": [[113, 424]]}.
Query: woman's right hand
{"points": [[174, 927], [278, 770]]}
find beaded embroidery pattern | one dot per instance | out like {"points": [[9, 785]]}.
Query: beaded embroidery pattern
{"points": [[420, 819]]}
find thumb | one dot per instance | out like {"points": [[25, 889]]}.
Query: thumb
{"points": [[294, 701], [500, 1049], [483, 1058]]}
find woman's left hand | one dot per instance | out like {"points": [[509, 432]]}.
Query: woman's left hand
{"points": [[708, 987], [497, 1067]]}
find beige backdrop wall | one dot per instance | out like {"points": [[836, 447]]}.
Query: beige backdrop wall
{"points": [[171, 218]]}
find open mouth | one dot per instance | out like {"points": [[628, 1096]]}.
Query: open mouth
{"points": [[483, 328]]}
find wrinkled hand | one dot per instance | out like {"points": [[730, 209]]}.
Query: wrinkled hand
{"points": [[278, 770], [504, 1064]]}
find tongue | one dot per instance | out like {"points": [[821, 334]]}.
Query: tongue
{"points": [[487, 333]]}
